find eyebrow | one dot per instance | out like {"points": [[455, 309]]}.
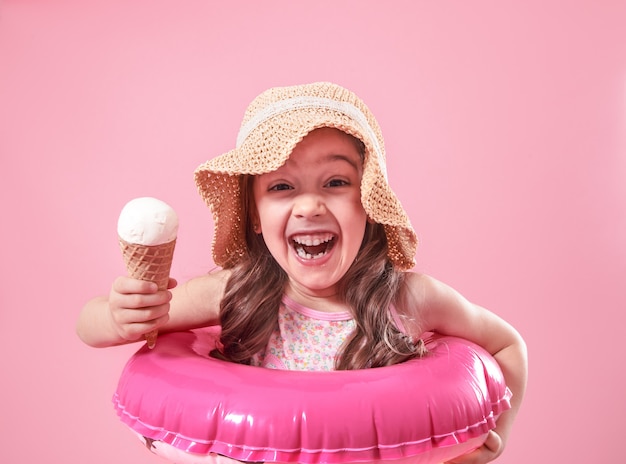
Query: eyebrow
{"points": [[339, 157]]}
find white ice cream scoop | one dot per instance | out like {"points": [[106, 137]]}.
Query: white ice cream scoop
{"points": [[147, 221]]}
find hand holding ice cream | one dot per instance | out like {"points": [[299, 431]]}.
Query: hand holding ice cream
{"points": [[147, 230]]}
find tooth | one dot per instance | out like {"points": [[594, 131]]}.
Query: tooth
{"points": [[304, 255], [308, 241]]}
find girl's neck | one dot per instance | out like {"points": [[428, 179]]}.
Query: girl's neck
{"points": [[330, 303]]}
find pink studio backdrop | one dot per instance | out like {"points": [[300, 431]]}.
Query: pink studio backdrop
{"points": [[505, 125]]}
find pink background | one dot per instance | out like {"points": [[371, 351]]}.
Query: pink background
{"points": [[505, 125]]}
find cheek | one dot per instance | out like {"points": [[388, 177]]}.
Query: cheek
{"points": [[259, 209], [357, 210], [356, 222], [271, 219]]}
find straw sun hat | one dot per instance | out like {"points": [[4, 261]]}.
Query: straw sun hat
{"points": [[273, 124]]}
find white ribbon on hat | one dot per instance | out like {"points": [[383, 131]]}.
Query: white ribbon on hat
{"points": [[295, 103]]}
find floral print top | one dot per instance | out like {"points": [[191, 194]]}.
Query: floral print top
{"points": [[305, 339]]}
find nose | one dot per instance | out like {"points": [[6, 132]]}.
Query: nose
{"points": [[308, 205]]}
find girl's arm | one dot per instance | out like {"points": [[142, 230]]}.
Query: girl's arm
{"points": [[439, 308], [135, 307]]}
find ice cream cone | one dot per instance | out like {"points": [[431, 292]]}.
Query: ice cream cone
{"points": [[151, 263], [147, 229]]}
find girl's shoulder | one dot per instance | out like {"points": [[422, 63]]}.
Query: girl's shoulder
{"points": [[415, 287], [217, 275], [411, 300], [418, 296]]}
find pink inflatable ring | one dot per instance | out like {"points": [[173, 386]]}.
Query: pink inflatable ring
{"points": [[192, 408]]}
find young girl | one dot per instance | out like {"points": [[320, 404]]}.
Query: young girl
{"points": [[315, 251]]}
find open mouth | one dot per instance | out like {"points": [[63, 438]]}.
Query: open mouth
{"points": [[313, 246]]}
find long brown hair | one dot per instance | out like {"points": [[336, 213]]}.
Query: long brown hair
{"points": [[253, 294], [370, 288]]}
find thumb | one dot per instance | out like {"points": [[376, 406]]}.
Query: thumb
{"points": [[493, 442]]}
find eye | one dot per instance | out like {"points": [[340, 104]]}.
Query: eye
{"points": [[280, 186], [337, 183]]}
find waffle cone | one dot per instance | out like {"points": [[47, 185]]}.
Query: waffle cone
{"points": [[151, 263]]}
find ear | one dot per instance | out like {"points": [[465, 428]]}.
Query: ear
{"points": [[256, 223]]}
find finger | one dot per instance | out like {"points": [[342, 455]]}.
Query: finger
{"points": [[133, 324], [127, 285], [493, 442], [133, 332], [152, 325], [129, 316], [172, 283], [159, 298], [137, 301]]}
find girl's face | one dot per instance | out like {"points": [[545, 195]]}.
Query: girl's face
{"points": [[310, 214]]}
